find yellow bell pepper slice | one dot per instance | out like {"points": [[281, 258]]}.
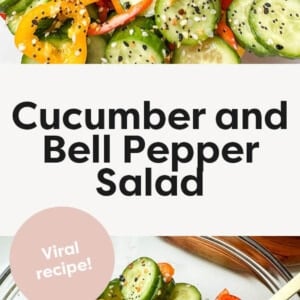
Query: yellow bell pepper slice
{"points": [[73, 51]]}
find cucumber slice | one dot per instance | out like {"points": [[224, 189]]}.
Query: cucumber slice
{"points": [[93, 12], [276, 24], [96, 46], [14, 19], [237, 18], [112, 291], [185, 291], [159, 289], [141, 279], [211, 51], [20, 6], [167, 290], [187, 22], [134, 45], [5, 4]]}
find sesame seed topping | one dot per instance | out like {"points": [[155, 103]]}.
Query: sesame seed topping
{"points": [[21, 47]]}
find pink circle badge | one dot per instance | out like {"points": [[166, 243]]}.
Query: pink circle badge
{"points": [[62, 253]]}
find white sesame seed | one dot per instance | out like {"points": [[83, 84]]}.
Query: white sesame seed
{"points": [[77, 53], [185, 34], [104, 60], [21, 47], [113, 44], [82, 11], [33, 41], [131, 31], [183, 22], [213, 11], [195, 36], [145, 33], [197, 19]]}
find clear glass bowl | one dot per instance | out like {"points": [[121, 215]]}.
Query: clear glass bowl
{"points": [[211, 263]]}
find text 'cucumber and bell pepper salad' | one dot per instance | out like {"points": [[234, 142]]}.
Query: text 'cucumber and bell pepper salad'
{"points": [[152, 31], [145, 279]]}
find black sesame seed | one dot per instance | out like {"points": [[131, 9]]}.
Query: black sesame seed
{"points": [[279, 47]]}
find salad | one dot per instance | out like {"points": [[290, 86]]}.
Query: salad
{"points": [[144, 279], [152, 31]]}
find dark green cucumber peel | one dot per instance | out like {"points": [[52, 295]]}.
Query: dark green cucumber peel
{"points": [[276, 25], [5, 4], [211, 51], [237, 19], [141, 279], [20, 6], [166, 290], [112, 291], [187, 22], [134, 45]]}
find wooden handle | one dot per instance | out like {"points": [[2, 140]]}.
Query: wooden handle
{"points": [[285, 249]]}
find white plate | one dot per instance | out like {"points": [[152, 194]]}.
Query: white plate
{"points": [[10, 55]]}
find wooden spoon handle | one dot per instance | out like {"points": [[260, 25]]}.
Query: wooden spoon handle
{"points": [[285, 249]]}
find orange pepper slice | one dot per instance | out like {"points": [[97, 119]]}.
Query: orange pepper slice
{"points": [[73, 51], [166, 270]]}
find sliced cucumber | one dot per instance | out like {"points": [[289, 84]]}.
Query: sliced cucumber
{"points": [[112, 291], [185, 291], [14, 19], [276, 24], [237, 18], [160, 287], [187, 22], [211, 51], [93, 12], [20, 6], [13, 22], [166, 290], [141, 279], [96, 46], [134, 45], [5, 4]]}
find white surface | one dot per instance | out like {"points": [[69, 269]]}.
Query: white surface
{"points": [[8, 52], [209, 278], [253, 195]]}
